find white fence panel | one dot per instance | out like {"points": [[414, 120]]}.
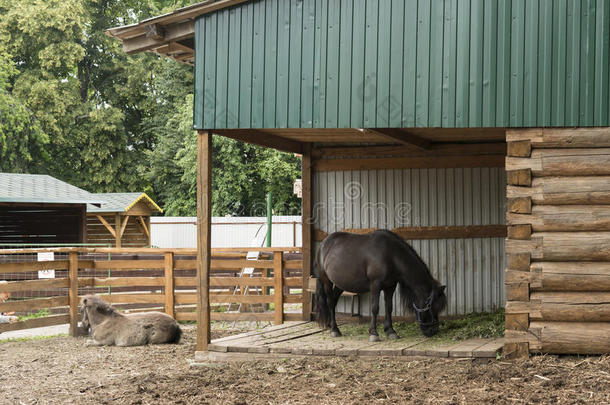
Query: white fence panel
{"points": [[181, 232]]}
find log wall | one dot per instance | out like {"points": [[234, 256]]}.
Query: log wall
{"points": [[558, 246]]}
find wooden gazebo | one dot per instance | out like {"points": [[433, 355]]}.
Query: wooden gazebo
{"points": [[122, 220], [436, 105]]}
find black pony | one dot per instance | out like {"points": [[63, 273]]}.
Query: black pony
{"points": [[376, 262]]}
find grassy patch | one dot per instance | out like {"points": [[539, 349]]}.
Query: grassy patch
{"points": [[40, 314], [31, 338], [476, 325]]}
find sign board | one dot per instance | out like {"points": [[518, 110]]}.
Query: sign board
{"points": [[297, 188], [46, 257]]}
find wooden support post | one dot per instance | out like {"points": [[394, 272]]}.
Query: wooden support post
{"points": [[169, 284], [82, 237], [147, 220], [73, 292], [278, 287], [204, 222], [117, 230], [307, 239]]}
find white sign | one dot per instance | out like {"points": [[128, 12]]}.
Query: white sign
{"points": [[46, 257], [297, 188]]}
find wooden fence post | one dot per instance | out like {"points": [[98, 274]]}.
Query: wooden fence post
{"points": [[73, 292], [307, 226], [278, 273], [169, 284]]}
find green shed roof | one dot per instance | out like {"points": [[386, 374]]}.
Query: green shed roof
{"points": [[41, 188]]}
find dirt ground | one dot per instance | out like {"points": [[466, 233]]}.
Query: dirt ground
{"points": [[63, 370]]}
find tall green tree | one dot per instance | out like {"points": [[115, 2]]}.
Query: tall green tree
{"points": [[85, 94], [22, 141], [73, 105]]}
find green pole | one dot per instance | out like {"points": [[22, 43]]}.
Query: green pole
{"points": [[269, 222], [269, 219]]}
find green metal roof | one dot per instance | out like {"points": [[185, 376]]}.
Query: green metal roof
{"points": [[403, 63], [122, 202], [41, 188]]}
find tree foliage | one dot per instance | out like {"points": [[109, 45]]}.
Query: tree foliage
{"points": [[73, 105]]}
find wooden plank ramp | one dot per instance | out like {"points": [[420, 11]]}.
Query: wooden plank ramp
{"points": [[308, 339]]}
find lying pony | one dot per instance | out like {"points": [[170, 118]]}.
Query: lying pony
{"points": [[110, 327]]}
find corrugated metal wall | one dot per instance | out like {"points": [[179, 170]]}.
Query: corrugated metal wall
{"points": [[181, 232], [472, 269], [403, 63]]}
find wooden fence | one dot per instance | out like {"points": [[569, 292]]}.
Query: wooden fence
{"points": [[151, 279]]}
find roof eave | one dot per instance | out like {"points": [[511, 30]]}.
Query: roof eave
{"points": [[165, 34]]}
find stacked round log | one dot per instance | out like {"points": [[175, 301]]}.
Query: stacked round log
{"points": [[558, 246]]}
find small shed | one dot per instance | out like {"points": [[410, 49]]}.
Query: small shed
{"points": [[478, 129], [122, 220], [40, 209]]}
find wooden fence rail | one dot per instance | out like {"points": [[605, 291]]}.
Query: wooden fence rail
{"points": [[166, 283]]}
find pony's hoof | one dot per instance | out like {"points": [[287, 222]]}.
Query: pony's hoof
{"points": [[393, 336], [335, 333], [374, 338]]}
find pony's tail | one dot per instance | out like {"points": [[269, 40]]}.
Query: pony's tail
{"points": [[322, 310], [177, 335]]}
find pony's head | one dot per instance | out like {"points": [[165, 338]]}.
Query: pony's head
{"points": [[427, 311], [91, 305]]}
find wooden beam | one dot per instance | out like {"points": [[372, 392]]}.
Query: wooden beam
{"points": [[410, 163], [204, 222], [183, 57], [35, 323], [433, 232], [144, 227], [107, 225], [259, 137], [189, 13], [436, 149], [307, 228], [155, 31], [124, 225], [173, 32], [402, 137]]}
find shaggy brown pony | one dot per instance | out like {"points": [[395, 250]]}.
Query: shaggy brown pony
{"points": [[109, 327]]}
